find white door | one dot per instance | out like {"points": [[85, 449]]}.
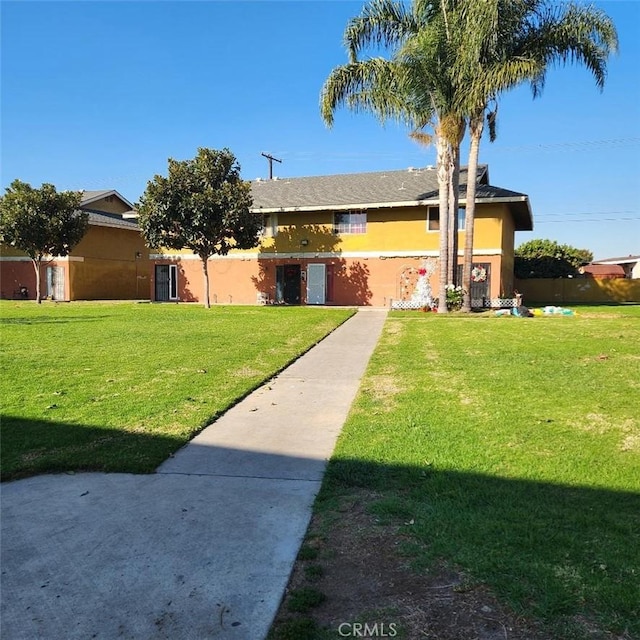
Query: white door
{"points": [[55, 283], [316, 283]]}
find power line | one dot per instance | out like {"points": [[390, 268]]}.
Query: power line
{"points": [[576, 145], [588, 213], [538, 221], [572, 146]]}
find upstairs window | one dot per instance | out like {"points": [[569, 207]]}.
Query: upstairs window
{"points": [[349, 222], [433, 219], [269, 225]]}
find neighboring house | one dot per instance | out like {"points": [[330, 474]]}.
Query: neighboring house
{"points": [[353, 239], [602, 270], [110, 262], [629, 264]]}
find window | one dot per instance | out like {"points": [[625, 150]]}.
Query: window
{"points": [[350, 222], [269, 225], [433, 218]]}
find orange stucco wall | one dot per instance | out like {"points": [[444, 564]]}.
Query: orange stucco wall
{"points": [[15, 274], [231, 281], [350, 281]]}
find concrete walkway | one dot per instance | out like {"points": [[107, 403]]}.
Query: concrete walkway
{"points": [[203, 548]]}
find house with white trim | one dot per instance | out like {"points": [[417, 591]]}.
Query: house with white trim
{"points": [[351, 239]]}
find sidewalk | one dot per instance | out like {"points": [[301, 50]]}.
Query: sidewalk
{"points": [[203, 548]]}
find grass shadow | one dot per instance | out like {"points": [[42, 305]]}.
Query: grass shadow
{"points": [[566, 555], [30, 447], [50, 319]]}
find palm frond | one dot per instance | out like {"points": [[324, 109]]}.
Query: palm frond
{"points": [[376, 85], [381, 23]]}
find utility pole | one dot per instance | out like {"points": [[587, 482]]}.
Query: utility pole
{"points": [[270, 158]]}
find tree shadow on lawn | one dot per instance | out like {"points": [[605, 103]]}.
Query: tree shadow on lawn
{"points": [[566, 555], [29, 447], [50, 319]]}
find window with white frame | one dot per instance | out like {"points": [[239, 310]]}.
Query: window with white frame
{"points": [[433, 218], [269, 225], [349, 222]]}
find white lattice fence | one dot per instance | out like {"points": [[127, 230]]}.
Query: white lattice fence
{"points": [[406, 304], [481, 303], [495, 303]]}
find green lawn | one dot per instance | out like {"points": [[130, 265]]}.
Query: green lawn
{"points": [[119, 386], [509, 448]]}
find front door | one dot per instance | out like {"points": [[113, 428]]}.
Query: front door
{"points": [[55, 283], [166, 282], [288, 283], [480, 282], [316, 283]]}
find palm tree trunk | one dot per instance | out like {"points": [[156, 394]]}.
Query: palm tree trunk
{"points": [[205, 273], [452, 263], [443, 151], [475, 129]]}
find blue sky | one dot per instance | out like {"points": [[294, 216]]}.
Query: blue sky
{"points": [[97, 95]]}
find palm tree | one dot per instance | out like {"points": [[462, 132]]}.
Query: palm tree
{"points": [[516, 41], [452, 59], [417, 91]]}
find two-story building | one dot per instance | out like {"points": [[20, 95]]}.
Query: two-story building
{"points": [[350, 239], [111, 261]]}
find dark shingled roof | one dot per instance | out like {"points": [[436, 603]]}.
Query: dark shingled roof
{"points": [[103, 219], [411, 187]]}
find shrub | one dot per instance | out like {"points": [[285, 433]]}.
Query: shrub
{"points": [[454, 297]]}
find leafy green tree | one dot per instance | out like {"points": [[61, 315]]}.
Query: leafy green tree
{"points": [[43, 222], [549, 259], [202, 205]]}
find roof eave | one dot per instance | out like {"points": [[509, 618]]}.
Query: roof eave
{"points": [[114, 225], [627, 260], [345, 207], [520, 207]]}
